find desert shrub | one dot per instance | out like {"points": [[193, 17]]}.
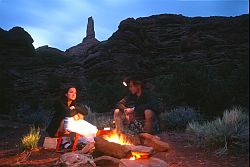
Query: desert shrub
{"points": [[100, 120], [104, 120], [230, 130], [30, 140], [91, 117], [178, 118]]}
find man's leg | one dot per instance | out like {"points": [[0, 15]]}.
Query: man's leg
{"points": [[118, 121], [148, 120]]}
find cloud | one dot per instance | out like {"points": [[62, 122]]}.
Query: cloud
{"points": [[60, 26], [40, 36], [62, 23]]}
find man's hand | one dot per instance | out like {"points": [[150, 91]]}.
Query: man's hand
{"points": [[128, 110], [72, 107], [129, 114]]}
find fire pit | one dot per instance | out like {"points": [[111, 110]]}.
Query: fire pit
{"points": [[120, 146], [123, 150]]}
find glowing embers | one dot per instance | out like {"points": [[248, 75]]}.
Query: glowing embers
{"points": [[139, 155]]}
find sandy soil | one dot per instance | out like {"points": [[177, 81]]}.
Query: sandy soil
{"points": [[181, 154]]}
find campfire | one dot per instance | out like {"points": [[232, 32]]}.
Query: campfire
{"points": [[115, 138], [121, 139], [123, 145], [124, 150]]}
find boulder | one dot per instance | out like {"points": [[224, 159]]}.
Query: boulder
{"points": [[155, 142], [143, 150], [151, 162], [107, 161], [75, 160]]}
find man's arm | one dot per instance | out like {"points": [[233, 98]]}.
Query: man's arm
{"points": [[121, 105]]}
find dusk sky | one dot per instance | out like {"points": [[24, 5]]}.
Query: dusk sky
{"points": [[62, 23]]}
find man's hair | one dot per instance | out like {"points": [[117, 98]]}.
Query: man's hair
{"points": [[136, 82]]}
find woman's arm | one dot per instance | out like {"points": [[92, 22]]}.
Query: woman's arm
{"points": [[63, 110], [82, 110]]}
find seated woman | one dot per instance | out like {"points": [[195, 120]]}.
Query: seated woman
{"points": [[69, 117]]}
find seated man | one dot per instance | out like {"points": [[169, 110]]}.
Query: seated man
{"points": [[139, 105]]}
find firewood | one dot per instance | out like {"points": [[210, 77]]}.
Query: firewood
{"points": [[111, 149], [155, 142]]}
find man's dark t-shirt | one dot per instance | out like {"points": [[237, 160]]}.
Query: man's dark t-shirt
{"points": [[147, 100]]}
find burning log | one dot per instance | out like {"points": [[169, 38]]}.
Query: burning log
{"points": [[111, 148]]}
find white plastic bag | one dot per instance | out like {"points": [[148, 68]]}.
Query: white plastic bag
{"points": [[84, 128]]}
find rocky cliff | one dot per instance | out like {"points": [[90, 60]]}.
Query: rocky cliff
{"points": [[28, 77], [199, 61], [149, 45]]}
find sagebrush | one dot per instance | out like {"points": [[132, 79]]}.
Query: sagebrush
{"points": [[229, 131], [100, 120], [177, 119]]}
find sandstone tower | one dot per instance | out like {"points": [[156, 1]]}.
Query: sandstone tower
{"points": [[87, 41]]}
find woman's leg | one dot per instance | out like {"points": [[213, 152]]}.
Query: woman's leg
{"points": [[61, 130]]}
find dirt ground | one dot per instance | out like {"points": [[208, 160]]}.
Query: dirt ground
{"points": [[181, 154]]}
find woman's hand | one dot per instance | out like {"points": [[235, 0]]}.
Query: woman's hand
{"points": [[72, 107], [80, 116], [76, 117]]}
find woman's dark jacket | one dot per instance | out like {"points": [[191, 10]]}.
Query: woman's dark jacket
{"points": [[61, 111]]}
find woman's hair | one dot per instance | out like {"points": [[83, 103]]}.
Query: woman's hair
{"points": [[66, 89]]}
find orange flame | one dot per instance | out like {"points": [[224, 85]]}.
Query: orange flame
{"points": [[138, 155], [111, 136], [115, 138]]}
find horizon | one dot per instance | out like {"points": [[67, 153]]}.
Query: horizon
{"points": [[48, 24]]}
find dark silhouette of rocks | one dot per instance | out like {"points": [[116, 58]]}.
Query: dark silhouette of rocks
{"points": [[153, 44], [26, 74], [86, 43], [90, 33], [18, 38], [45, 50], [200, 61]]}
